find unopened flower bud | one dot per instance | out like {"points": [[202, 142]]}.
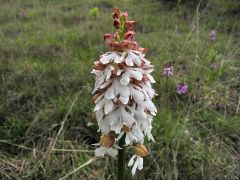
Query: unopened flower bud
{"points": [[116, 46], [116, 13], [108, 38], [125, 44], [142, 50], [129, 35], [116, 23], [125, 15], [141, 150], [129, 24], [134, 45], [107, 140]]}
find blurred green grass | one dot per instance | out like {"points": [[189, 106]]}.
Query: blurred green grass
{"points": [[47, 49]]}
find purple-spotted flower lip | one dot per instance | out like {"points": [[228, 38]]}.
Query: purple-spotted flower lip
{"points": [[213, 35], [182, 88], [168, 70]]}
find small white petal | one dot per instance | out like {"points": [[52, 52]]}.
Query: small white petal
{"points": [[99, 105], [134, 168], [124, 91], [131, 161], [107, 73], [128, 139], [98, 83], [148, 71], [104, 125], [120, 136], [121, 58], [100, 152], [117, 127], [136, 59], [137, 133], [150, 137], [139, 162], [96, 72], [113, 117], [132, 108], [106, 83], [110, 93], [125, 79], [115, 121], [115, 99], [148, 90], [137, 75], [119, 72], [108, 57], [129, 60], [99, 115], [96, 144], [118, 59], [112, 152], [124, 100], [140, 114], [108, 107], [146, 62], [150, 106], [145, 126], [105, 59], [137, 96], [111, 67], [126, 117], [151, 79]]}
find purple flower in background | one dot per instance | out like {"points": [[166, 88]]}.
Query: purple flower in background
{"points": [[168, 70], [182, 88], [213, 35]]}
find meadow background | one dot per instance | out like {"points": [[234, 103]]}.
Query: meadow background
{"points": [[47, 49]]}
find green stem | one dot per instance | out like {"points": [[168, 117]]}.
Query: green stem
{"points": [[121, 160], [121, 29], [167, 105], [166, 85]]}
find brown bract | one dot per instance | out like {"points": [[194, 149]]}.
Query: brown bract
{"points": [[107, 140], [141, 150]]}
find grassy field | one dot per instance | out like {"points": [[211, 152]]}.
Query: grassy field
{"points": [[47, 49]]}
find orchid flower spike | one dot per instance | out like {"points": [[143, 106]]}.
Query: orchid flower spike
{"points": [[168, 70], [123, 93]]}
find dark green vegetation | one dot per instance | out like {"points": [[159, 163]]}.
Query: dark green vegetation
{"points": [[47, 49]]}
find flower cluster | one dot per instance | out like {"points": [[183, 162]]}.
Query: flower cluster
{"points": [[182, 88], [213, 35], [123, 39], [123, 93], [168, 70]]}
